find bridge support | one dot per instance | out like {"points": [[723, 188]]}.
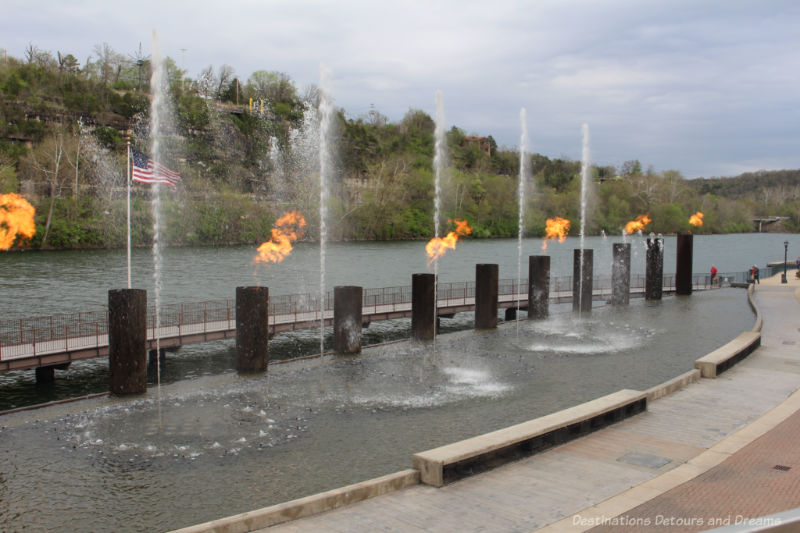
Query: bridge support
{"points": [[423, 306], [683, 267], [654, 269], [347, 319], [486, 296], [127, 341], [582, 263], [45, 375], [252, 329], [538, 286], [621, 274]]}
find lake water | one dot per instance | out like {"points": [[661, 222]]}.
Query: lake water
{"points": [[212, 443]]}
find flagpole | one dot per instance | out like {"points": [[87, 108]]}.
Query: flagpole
{"points": [[129, 212]]}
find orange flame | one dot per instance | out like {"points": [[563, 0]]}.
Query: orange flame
{"points": [[16, 219], [555, 228], [437, 246], [696, 219], [637, 224], [287, 230]]}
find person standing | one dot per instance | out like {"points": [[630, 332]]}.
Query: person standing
{"points": [[755, 274], [713, 275]]}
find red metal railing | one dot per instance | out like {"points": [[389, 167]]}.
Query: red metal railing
{"points": [[31, 337]]}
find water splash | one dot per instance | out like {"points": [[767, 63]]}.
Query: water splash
{"points": [[523, 144], [325, 134]]}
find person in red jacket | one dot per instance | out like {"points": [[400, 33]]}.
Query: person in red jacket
{"points": [[713, 275]]}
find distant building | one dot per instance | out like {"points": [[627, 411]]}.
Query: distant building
{"points": [[483, 144]]}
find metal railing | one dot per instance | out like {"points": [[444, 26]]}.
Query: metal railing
{"points": [[32, 337]]}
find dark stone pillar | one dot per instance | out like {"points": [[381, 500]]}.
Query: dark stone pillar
{"points": [[127, 341], [485, 296], [582, 280], [621, 274], [347, 311], [538, 286], [252, 329], [423, 306], [45, 375], [683, 267], [654, 269]]}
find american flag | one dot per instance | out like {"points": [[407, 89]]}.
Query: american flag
{"points": [[145, 170]]}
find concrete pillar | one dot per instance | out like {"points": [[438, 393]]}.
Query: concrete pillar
{"points": [[347, 310], [683, 267], [538, 286], [485, 296], [127, 341], [582, 280], [654, 269], [621, 274], [252, 329], [423, 306]]}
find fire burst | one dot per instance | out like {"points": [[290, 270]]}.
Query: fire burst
{"points": [[555, 228], [637, 224], [287, 230], [16, 219], [437, 246], [696, 220]]}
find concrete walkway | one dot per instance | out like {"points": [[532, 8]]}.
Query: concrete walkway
{"points": [[697, 457]]}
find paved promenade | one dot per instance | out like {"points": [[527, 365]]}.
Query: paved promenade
{"points": [[698, 458]]}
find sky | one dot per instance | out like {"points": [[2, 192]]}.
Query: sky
{"points": [[708, 88]]}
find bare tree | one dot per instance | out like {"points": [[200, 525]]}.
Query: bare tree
{"points": [[206, 81], [46, 161], [110, 63], [224, 77]]}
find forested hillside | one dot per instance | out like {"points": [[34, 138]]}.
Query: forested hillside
{"points": [[246, 150]]}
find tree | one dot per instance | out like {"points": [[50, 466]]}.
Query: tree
{"points": [[277, 87], [109, 63], [223, 80], [631, 168], [205, 81], [46, 161]]}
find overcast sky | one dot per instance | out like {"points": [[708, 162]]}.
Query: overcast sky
{"points": [[705, 88]]}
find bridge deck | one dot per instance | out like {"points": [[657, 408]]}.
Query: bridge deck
{"points": [[85, 335]]}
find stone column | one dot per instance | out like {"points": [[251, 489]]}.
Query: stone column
{"points": [[654, 269], [621, 274], [252, 329], [127, 341], [486, 296], [347, 312], [582, 280], [423, 306], [538, 286], [683, 267]]}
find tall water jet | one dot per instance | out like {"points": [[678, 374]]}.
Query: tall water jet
{"points": [[157, 109], [439, 161], [325, 168], [586, 169], [585, 177], [439, 165], [523, 144]]}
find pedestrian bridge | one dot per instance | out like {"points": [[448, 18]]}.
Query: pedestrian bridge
{"points": [[58, 340]]}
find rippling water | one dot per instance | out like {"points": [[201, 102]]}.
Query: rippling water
{"points": [[226, 444]]}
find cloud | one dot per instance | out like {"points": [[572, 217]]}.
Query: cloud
{"points": [[694, 85]]}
